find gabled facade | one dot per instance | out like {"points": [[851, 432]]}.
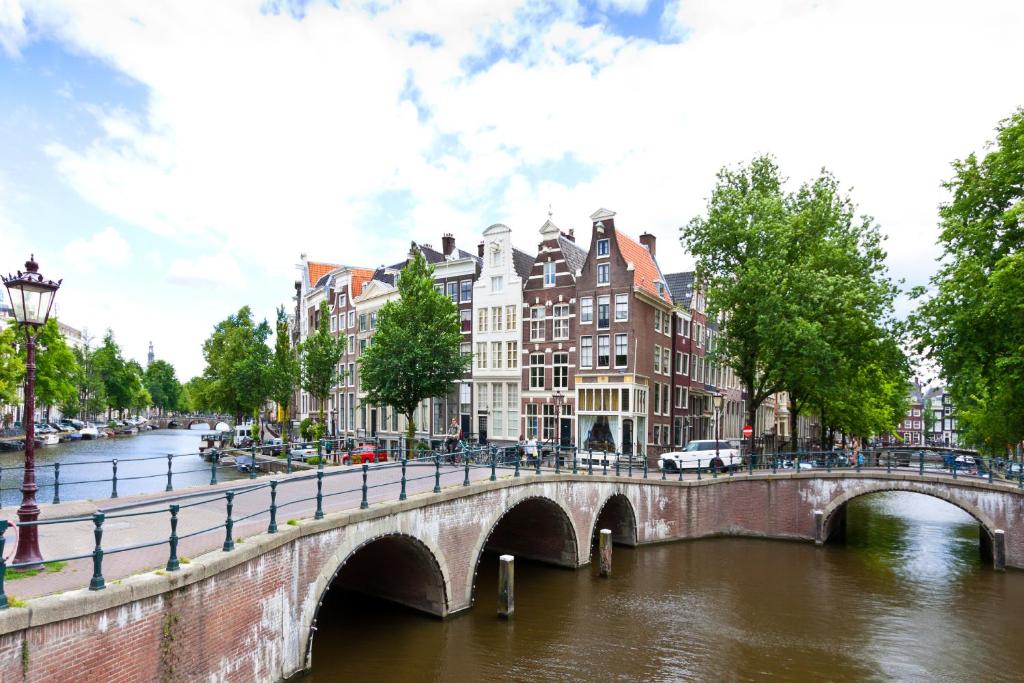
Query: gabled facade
{"points": [[496, 336], [624, 378], [548, 322]]}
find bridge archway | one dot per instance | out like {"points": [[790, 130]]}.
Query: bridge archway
{"points": [[618, 515], [834, 517], [533, 528], [395, 567]]}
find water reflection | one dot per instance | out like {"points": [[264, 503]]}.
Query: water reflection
{"points": [[907, 597]]}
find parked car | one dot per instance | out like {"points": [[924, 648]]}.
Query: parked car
{"points": [[701, 454], [365, 453]]}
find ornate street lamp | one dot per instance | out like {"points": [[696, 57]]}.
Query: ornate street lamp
{"points": [[716, 401], [31, 298]]}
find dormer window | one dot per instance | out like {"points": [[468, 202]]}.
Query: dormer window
{"points": [[602, 247], [495, 254]]}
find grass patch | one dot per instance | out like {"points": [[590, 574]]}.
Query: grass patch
{"points": [[48, 568], [15, 602], [185, 560], [293, 522], [160, 572], [239, 540]]}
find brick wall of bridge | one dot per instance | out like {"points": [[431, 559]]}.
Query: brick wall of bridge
{"points": [[246, 615]]}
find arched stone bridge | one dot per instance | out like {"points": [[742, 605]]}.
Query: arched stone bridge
{"points": [[250, 615]]}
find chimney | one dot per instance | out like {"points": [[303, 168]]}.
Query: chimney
{"points": [[448, 243], [570, 235], [647, 239], [480, 250]]}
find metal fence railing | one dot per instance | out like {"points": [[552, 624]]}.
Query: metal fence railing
{"points": [[481, 463]]}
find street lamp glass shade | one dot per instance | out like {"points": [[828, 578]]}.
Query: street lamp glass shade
{"points": [[31, 295], [716, 400]]}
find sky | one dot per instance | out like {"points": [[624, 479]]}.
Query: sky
{"points": [[172, 160]]}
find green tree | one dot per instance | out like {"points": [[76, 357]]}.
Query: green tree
{"points": [[57, 369], [970, 320], [92, 392], [929, 417], [162, 385], [415, 352], [237, 365], [12, 369], [194, 396], [284, 370], [319, 355], [121, 381]]}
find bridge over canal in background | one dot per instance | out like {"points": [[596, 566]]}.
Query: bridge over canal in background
{"points": [[248, 610]]}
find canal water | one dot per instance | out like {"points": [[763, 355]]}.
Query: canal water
{"points": [[906, 597], [141, 466]]}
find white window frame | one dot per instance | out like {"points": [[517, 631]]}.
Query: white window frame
{"points": [[560, 321], [587, 348], [605, 246], [550, 274], [606, 269], [624, 299], [587, 306]]}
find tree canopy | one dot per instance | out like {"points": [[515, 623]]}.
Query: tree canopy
{"points": [[237, 364], [415, 351], [162, 384], [971, 318], [284, 368], [12, 369], [320, 353]]}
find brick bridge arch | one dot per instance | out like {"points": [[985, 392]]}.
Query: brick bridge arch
{"points": [[618, 514], [835, 511]]}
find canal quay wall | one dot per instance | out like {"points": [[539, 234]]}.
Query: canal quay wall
{"points": [[250, 614]]}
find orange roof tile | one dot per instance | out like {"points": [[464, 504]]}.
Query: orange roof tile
{"points": [[318, 270], [645, 269], [360, 276]]}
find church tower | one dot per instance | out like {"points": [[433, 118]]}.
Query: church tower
{"points": [[150, 357]]}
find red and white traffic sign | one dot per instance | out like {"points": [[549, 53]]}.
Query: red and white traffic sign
{"points": [[748, 431]]}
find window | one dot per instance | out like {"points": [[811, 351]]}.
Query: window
{"points": [[603, 350], [549, 422], [561, 322], [466, 318], [603, 306], [621, 307], [497, 408], [373, 320], [496, 319], [497, 284], [351, 343], [657, 400], [466, 349], [481, 320], [362, 346], [602, 247], [679, 362], [666, 324], [351, 374], [603, 273], [560, 375], [496, 354], [467, 290], [495, 254], [453, 291], [680, 397], [621, 350], [666, 361], [537, 323], [481, 355], [531, 420], [352, 411], [510, 318], [512, 355], [334, 323], [586, 310], [657, 321], [684, 328], [691, 366], [351, 318], [677, 432], [362, 322], [513, 408], [536, 370], [549, 273], [665, 407], [586, 352]]}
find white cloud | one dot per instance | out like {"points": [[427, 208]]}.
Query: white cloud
{"points": [[264, 136], [104, 249], [12, 27]]}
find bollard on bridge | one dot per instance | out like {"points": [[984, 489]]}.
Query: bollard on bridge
{"points": [[604, 547], [506, 585]]}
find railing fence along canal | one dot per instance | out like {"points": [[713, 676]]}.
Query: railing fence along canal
{"points": [[431, 466]]}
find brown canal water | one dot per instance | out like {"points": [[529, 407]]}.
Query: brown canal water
{"points": [[906, 597]]}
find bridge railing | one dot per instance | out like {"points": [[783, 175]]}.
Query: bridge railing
{"points": [[261, 499]]}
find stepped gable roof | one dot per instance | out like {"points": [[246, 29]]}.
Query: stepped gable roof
{"points": [[646, 274], [317, 270], [680, 286], [574, 254], [522, 263]]}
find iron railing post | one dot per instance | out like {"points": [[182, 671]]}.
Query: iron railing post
{"points": [[574, 468], [319, 496], [590, 461], [3, 563], [272, 527], [629, 467], [558, 459], [56, 483], [604, 462], [364, 503], [170, 459], [401, 495], [113, 478], [97, 583], [465, 457], [536, 461], [990, 470], [229, 524], [437, 472], [213, 469], [920, 463], [517, 466], [617, 467], [288, 462], [645, 466], [494, 464], [173, 564], [252, 467], [698, 470]]}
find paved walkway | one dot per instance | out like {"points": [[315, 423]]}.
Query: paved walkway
{"points": [[128, 522]]}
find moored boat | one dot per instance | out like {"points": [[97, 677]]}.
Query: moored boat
{"points": [[88, 432]]}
